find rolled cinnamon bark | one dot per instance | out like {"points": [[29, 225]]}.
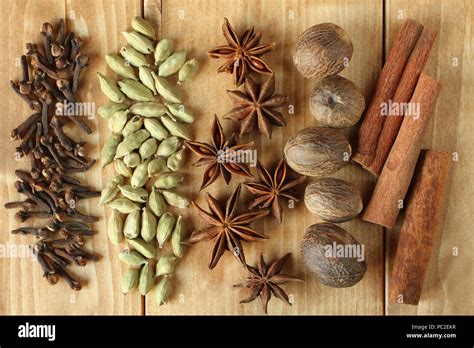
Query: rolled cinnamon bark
{"points": [[404, 92], [387, 83], [392, 185], [419, 227]]}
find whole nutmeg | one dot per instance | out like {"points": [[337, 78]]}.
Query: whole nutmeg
{"points": [[322, 50], [333, 255], [317, 151], [336, 102], [333, 200]]}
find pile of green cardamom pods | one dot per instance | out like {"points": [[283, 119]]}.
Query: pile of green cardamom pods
{"points": [[146, 150]]}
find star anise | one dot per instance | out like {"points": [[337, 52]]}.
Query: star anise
{"points": [[242, 53], [221, 157], [228, 228], [265, 280], [270, 188], [255, 107]]}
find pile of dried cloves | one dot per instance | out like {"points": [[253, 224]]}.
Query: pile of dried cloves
{"points": [[50, 77]]}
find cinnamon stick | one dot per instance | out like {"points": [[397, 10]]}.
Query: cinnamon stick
{"points": [[387, 83], [404, 92], [419, 227], [392, 185]]}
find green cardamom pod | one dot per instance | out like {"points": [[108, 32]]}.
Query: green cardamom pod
{"points": [[146, 280], [136, 194], [163, 50], [175, 200], [131, 142], [132, 258], [148, 148], [140, 174], [156, 203], [115, 228], [129, 280], [168, 146], [107, 111], [148, 230], [120, 66], [110, 190], [165, 265], [180, 113], [122, 169], [135, 90], [109, 87], [176, 160], [148, 109], [132, 159], [179, 234], [168, 180], [124, 205], [162, 291], [133, 124], [108, 151], [144, 73], [167, 90], [131, 226], [175, 128], [139, 42], [156, 166], [144, 248], [118, 121], [155, 128], [144, 27], [172, 64], [164, 228], [188, 70], [134, 57]]}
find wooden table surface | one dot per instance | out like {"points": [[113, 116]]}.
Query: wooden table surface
{"points": [[195, 25]]}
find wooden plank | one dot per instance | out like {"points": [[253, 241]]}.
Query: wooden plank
{"points": [[101, 23], [448, 281], [196, 26], [22, 288]]}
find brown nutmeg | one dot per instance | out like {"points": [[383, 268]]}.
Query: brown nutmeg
{"points": [[317, 151], [322, 50], [336, 102], [333, 200], [333, 255]]}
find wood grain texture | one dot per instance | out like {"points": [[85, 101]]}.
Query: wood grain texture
{"points": [[196, 25], [22, 289], [447, 288], [199, 291]]}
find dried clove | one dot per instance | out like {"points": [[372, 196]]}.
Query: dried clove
{"points": [[20, 131], [23, 188], [24, 215], [47, 34], [81, 61], [63, 86], [40, 77], [42, 233], [60, 33], [32, 103], [26, 204]]}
